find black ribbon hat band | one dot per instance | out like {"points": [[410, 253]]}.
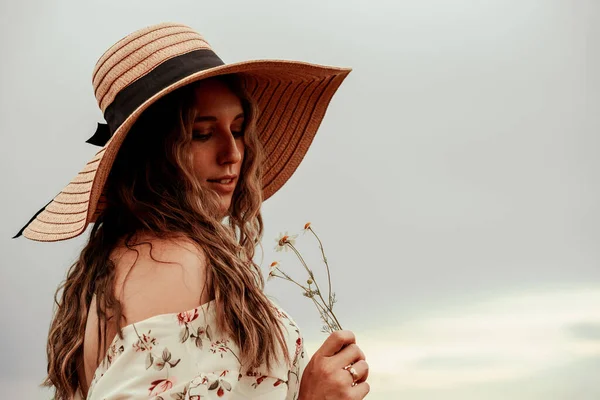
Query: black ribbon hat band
{"points": [[101, 136], [161, 77], [134, 95]]}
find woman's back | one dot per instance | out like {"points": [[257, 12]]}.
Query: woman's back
{"points": [[171, 342], [145, 287]]}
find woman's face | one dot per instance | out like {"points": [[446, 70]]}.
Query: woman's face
{"points": [[218, 143]]}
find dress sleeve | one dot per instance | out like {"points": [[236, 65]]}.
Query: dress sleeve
{"points": [[165, 367], [183, 357], [295, 374]]}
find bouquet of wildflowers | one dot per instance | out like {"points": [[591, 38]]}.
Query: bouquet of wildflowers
{"points": [[311, 289]]}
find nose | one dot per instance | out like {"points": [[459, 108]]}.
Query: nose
{"points": [[229, 153]]}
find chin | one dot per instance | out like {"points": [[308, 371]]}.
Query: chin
{"points": [[224, 207]]}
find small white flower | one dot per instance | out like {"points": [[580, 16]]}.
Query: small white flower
{"points": [[272, 269], [306, 228], [282, 239]]}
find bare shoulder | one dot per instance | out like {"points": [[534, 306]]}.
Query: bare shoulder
{"points": [[160, 276]]}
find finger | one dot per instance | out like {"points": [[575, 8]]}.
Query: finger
{"points": [[362, 370], [336, 342], [349, 354], [358, 372], [362, 389]]}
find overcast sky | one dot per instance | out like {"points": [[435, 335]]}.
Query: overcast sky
{"points": [[454, 181]]}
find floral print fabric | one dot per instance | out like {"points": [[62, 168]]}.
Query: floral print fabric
{"points": [[181, 356]]}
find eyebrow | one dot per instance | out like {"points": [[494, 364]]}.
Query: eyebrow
{"points": [[211, 118]]}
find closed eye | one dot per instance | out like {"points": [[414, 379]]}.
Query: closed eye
{"points": [[202, 137]]}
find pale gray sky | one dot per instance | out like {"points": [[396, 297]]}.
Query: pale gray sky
{"points": [[454, 181]]}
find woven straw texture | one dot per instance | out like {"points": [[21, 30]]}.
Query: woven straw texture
{"points": [[292, 99]]}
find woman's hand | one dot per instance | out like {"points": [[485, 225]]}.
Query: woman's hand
{"points": [[325, 378]]}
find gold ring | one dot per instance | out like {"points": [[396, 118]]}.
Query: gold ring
{"points": [[352, 371]]}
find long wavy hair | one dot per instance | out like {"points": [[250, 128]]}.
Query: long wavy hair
{"points": [[152, 190]]}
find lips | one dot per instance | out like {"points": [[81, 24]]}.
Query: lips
{"points": [[224, 184], [224, 180]]}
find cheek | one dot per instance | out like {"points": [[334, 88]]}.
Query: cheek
{"points": [[199, 162], [241, 148]]}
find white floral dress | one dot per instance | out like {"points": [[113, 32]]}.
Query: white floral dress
{"points": [[180, 356]]}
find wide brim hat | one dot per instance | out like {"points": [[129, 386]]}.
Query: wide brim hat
{"points": [[292, 98]]}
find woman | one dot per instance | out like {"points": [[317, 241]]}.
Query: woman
{"points": [[165, 300]]}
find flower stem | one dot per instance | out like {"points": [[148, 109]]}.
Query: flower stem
{"points": [[309, 272], [323, 313], [329, 308], [286, 277], [326, 265], [321, 308]]}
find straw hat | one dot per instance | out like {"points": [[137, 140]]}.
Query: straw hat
{"points": [[146, 65]]}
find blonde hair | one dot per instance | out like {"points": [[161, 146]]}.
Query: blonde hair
{"points": [[152, 189]]}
